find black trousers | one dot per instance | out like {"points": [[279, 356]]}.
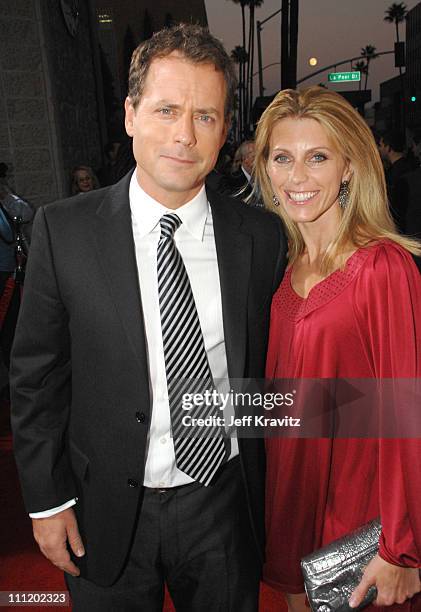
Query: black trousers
{"points": [[195, 539]]}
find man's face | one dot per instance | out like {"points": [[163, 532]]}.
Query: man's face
{"points": [[248, 157], [178, 128]]}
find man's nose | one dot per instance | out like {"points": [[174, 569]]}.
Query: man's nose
{"points": [[185, 133]]}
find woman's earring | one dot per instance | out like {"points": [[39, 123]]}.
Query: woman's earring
{"points": [[275, 200], [344, 194]]}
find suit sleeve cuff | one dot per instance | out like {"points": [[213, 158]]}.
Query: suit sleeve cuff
{"points": [[52, 511]]}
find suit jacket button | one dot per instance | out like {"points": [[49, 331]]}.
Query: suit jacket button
{"points": [[140, 417], [132, 483]]}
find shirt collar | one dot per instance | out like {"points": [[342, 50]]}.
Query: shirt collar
{"points": [[147, 212], [247, 175]]}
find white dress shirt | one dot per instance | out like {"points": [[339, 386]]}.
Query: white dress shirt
{"points": [[196, 242], [246, 174]]}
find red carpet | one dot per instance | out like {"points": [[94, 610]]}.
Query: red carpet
{"points": [[22, 566]]}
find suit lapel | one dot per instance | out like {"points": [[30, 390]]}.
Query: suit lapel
{"points": [[116, 253], [233, 248]]}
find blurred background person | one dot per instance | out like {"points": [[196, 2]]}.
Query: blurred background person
{"points": [[217, 178], [349, 306], [409, 189], [392, 151], [240, 181], [83, 179], [416, 146], [7, 268], [16, 216], [106, 174]]}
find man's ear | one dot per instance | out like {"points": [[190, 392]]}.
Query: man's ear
{"points": [[129, 116]]}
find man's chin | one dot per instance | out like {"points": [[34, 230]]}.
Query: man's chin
{"points": [[180, 186]]}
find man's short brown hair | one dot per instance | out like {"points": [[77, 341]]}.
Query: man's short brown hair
{"points": [[196, 44]]}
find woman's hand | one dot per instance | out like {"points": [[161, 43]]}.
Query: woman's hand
{"points": [[394, 584]]}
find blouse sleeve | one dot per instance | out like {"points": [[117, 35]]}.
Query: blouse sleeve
{"points": [[390, 293]]}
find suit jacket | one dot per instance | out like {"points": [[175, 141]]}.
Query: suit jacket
{"points": [[80, 389], [397, 202], [409, 188], [239, 185], [240, 188]]}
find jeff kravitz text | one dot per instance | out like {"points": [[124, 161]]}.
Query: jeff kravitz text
{"points": [[231, 400], [245, 421]]}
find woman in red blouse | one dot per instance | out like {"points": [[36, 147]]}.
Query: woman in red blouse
{"points": [[349, 307]]}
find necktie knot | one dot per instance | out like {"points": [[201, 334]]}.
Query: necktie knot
{"points": [[169, 224]]}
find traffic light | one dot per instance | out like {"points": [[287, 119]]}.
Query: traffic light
{"points": [[413, 96]]}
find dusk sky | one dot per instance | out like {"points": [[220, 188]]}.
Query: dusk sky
{"points": [[331, 30]]}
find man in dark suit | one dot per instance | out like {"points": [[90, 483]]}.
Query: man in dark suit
{"points": [[127, 288], [240, 181], [392, 150], [409, 188]]}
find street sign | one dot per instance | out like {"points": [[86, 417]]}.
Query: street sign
{"points": [[345, 76]]}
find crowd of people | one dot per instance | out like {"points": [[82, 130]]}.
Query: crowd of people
{"points": [[291, 258]]}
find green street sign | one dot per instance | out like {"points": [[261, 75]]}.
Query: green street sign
{"points": [[344, 76]]}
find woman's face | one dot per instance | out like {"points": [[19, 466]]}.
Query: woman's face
{"points": [[305, 170], [84, 180]]}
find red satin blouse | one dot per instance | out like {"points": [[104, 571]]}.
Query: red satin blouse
{"points": [[361, 322]]}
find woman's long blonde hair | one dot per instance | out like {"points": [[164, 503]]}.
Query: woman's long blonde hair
{"points": [[366, 218]]}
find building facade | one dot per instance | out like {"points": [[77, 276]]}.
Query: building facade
{"points": [[400, 99], [63, 65], [413, 68], [389, 109], [123, 24]]}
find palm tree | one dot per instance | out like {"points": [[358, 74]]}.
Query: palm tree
{"points": [[243, 4], [396, 13], [240, 57], [242, 100], [361, 66], [369, 53]]}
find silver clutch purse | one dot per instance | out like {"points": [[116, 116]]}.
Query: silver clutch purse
{"points": [[334, 571]]}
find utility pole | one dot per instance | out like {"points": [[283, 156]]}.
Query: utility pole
{"points": [[259, 57], [293, 43], [285, 44], [259, 27]]}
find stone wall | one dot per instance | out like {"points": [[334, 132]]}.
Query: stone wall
{"points": [[50, 110], [48, 107], [73, 87], [25, 139]]}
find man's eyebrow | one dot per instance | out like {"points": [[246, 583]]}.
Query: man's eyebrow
{"points": [[208, 111], [164, 102], [203, 110]]}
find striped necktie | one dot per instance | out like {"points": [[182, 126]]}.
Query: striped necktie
{"points": [[198, 452]]}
